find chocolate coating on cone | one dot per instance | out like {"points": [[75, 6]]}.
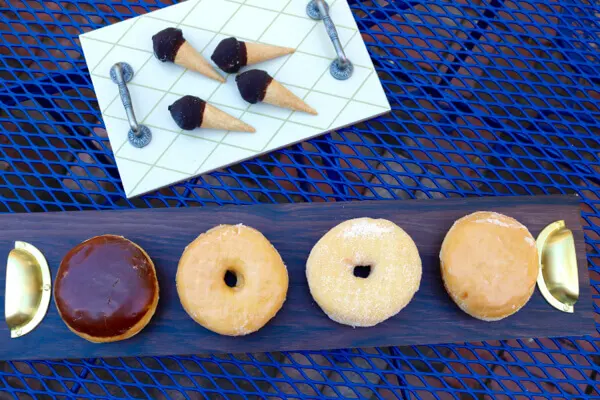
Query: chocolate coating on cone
{"points": [[230, 55], [166, 44], [188, 112], [105, 286], [253, 85]]}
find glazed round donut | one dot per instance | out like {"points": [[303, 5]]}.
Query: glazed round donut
{"points": [[489, 265], [231, 280], [364, 271]]}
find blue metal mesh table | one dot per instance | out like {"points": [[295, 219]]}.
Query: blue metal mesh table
{"points": [[489, 97]]}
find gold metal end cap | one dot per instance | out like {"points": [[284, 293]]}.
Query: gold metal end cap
{"points": [[28, 289], [558, 278]]}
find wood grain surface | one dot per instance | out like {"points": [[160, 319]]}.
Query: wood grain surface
{"points": [[293, 229]]}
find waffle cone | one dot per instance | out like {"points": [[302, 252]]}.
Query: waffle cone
{"points": [[189, 58], [279, 95], [214, 118], [257, 52]]}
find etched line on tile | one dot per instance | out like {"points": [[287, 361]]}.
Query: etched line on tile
{"points": [[189, 13], [150, 165], [272, 22], [241, 38], [309, 91], [217, 141], [117, 42], [306, 17], [235, 108], [348, 102]]}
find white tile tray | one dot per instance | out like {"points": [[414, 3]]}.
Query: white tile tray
{"points": [[175, 155]]}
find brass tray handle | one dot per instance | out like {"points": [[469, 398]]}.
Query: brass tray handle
{"points": [[28, 289], [558, 278]]}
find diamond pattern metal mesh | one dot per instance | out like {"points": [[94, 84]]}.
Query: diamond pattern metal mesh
{"points": [[489, 97]]}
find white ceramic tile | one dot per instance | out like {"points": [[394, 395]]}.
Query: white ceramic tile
{"points": [[327, 106], [143, 99], [352, 109], [266, 128], [318, 41], [131, 173], [223, 156], [341, 14], [347, 88], [297, 72], [175, 13], [198, 38], [135, 58], [156, 178], [211, 14], [275, 5], [161, 139], [228, 94], [216, 135], [372, 92], [296, 7], [161, 117], [94, 51], [357, 51], [288, 31], [195, 84], [186, 154], [291, 133], [158, 75], [140, 34], [180, 156], [118, 129], [277, 112], [105, 91], [249, 22], [111, 33]]}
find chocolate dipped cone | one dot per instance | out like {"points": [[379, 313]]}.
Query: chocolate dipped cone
{"points": [[191, 112], [231, 54], [170, 46], [256, 86]]}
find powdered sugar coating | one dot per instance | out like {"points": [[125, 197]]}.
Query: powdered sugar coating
{"points": [[394, 278]]}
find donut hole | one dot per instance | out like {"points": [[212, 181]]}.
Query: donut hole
{"points": [[231, 278], [362, 271]]}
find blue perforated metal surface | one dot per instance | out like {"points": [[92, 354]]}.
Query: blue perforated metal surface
{"points": [[489, 97]]}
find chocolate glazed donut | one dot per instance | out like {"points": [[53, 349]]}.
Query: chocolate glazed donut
{"points": [[106, 289]]}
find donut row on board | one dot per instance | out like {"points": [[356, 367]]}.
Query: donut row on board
{"points": [[232, 281]]}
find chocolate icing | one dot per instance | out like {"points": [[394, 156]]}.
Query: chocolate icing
{"points": [[230, 55], [167, 43], [105, 286], [253, 85], [187, 112]]}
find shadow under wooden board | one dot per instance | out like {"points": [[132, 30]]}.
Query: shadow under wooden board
{"points": [[293, 229]]}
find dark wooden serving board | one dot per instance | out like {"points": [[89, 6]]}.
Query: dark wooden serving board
{"points": [[431, 317]]}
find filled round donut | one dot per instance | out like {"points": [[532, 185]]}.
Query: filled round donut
{"points": [[106, 289], [231, 280], [363, 271], [489, 265]]}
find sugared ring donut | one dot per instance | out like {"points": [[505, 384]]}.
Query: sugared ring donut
{"points": [[364, 271], [489, 264], [231, 280]]}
